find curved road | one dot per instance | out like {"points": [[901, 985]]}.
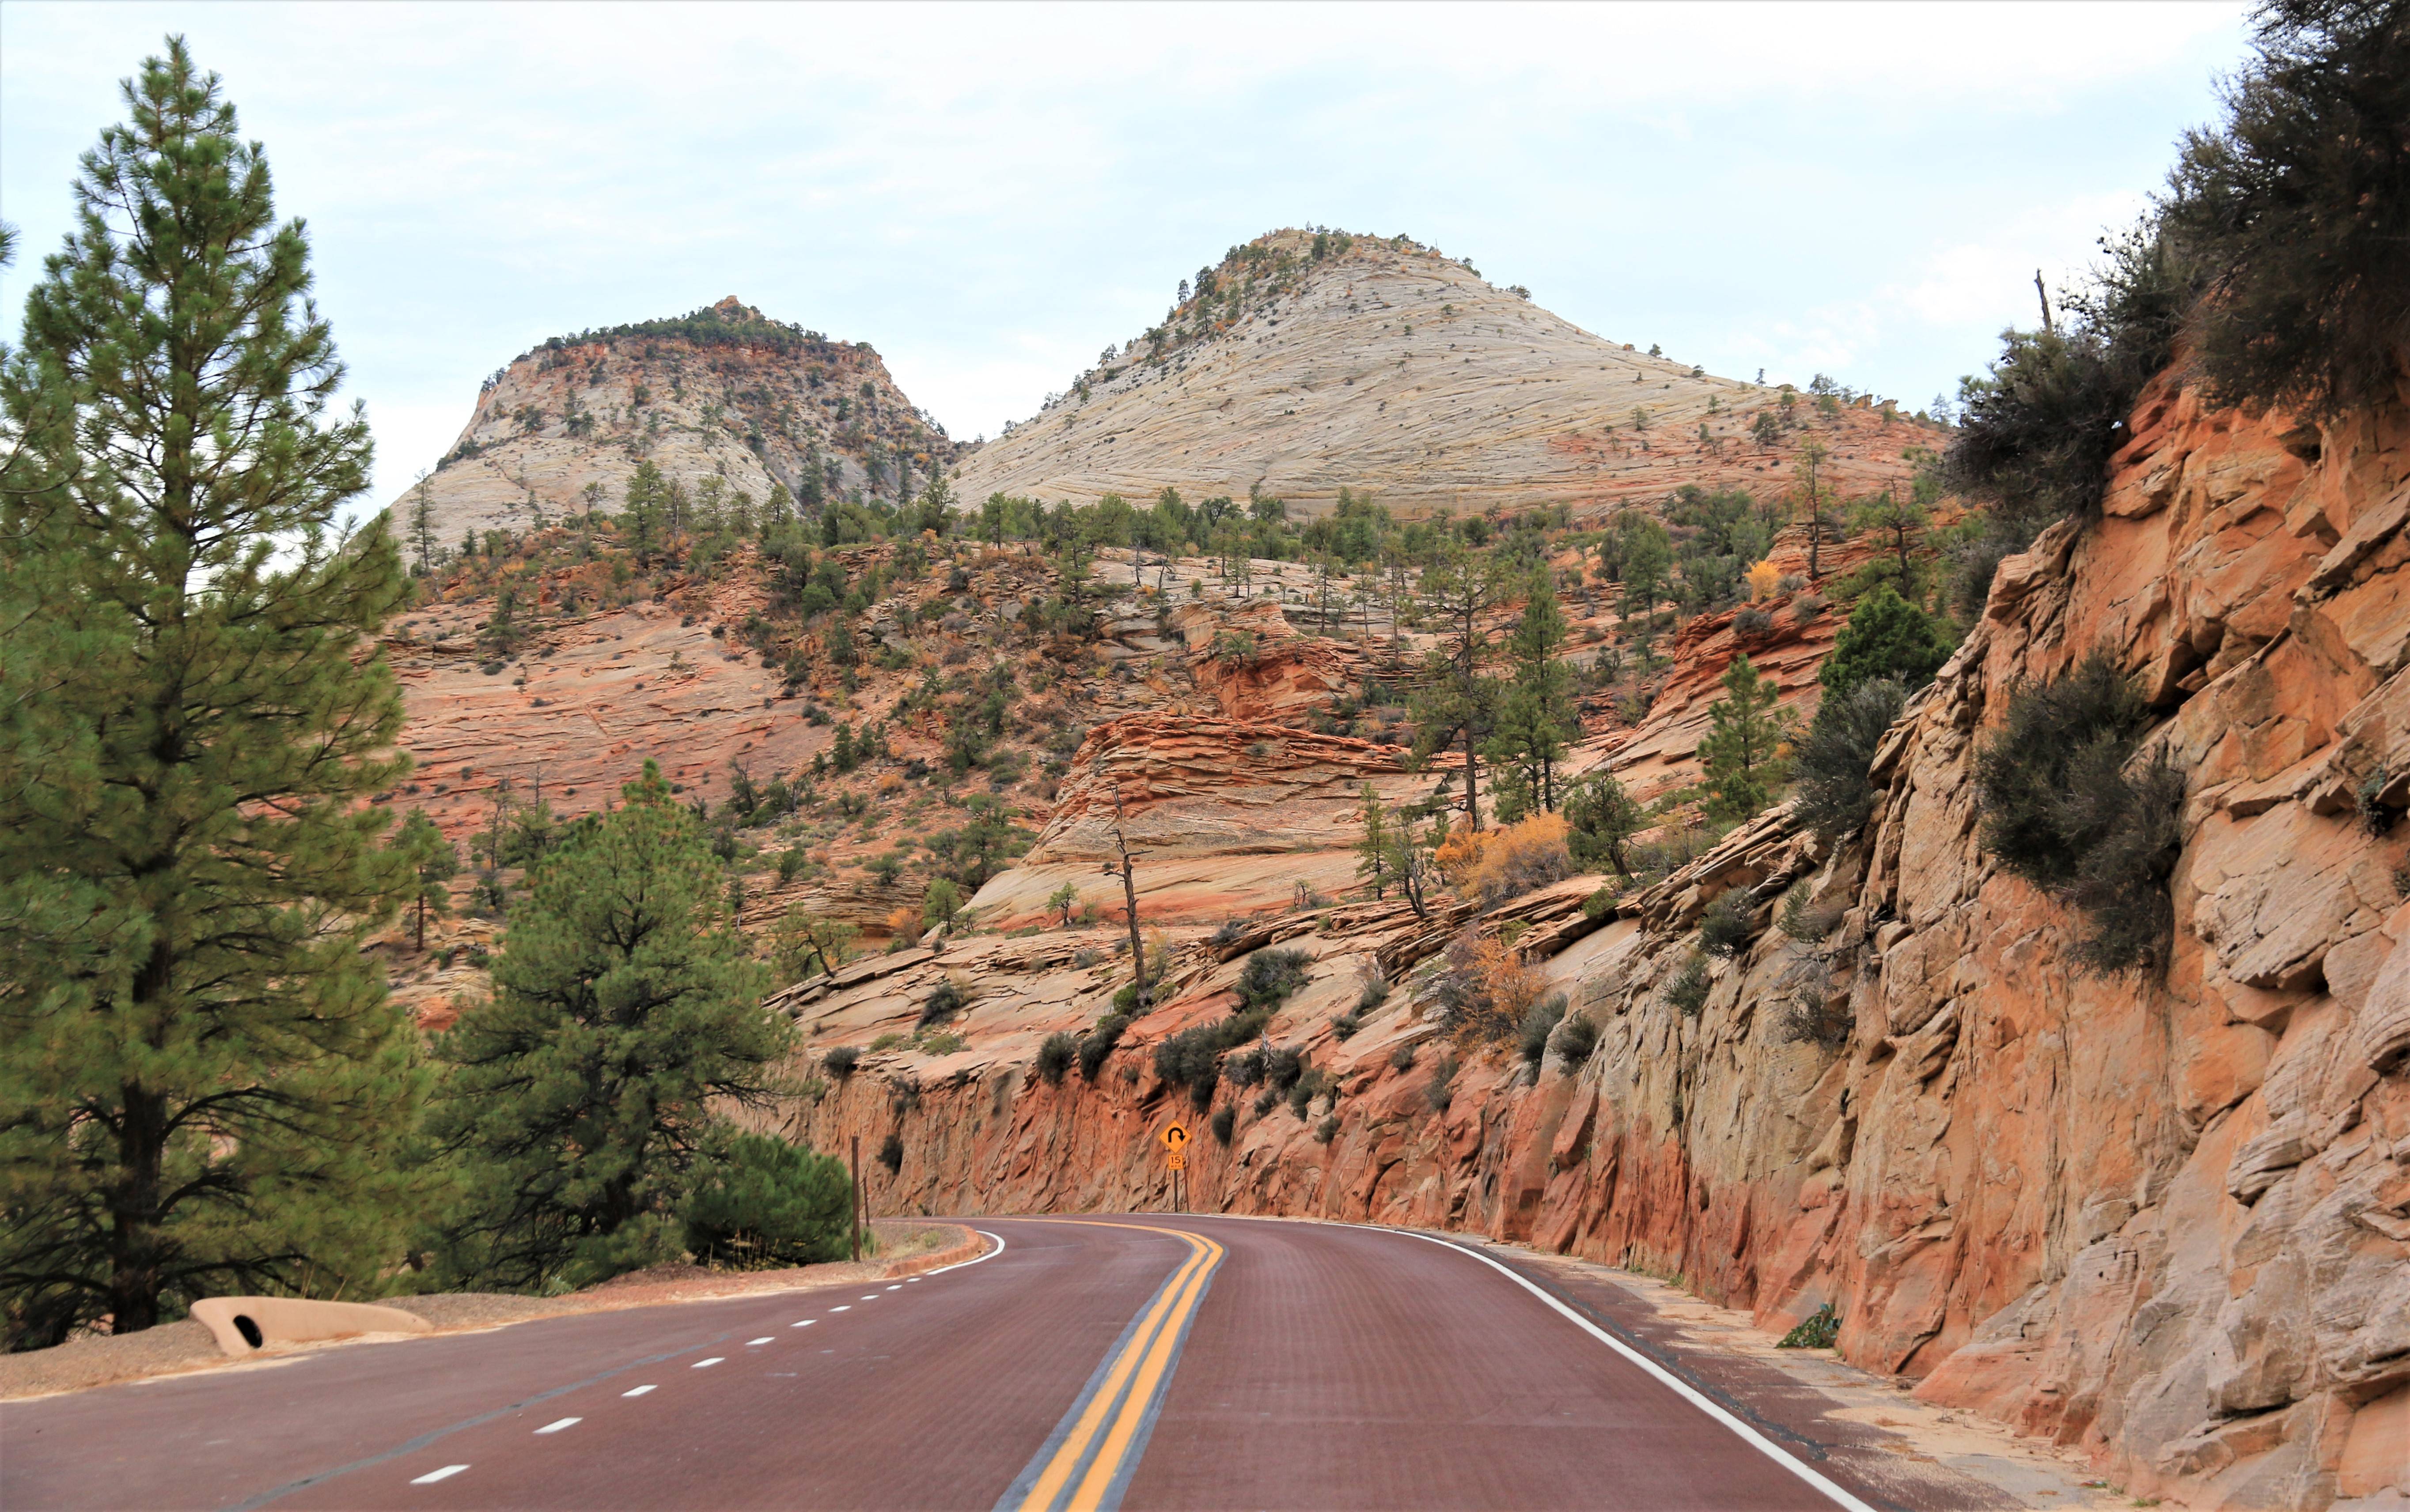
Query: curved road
{"points": [[1148, 1361]]}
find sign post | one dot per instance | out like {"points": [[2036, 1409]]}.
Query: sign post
{"points": [[1175, 1139], [855, 1193]]}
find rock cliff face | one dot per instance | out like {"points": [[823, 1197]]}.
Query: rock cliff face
{"points": [[723, 393], [1383, 367], [2164, 1219]]}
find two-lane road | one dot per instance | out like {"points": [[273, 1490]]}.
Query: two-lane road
{"points": [[1145, 1361]]}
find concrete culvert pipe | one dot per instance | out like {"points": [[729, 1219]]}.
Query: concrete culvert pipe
{"points": [[245, 1325]]}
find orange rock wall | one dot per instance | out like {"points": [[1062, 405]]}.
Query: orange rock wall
{"points": [[2165, 1221]]}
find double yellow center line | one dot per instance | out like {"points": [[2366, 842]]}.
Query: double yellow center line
{"points": [[1084, 1465]]}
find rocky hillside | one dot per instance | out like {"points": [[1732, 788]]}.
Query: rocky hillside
{"points": [[723, 393], [1307, 363], [2163, 1217]]}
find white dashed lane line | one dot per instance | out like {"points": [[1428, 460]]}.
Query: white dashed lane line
{"points": [[764, 1339], [897, 1288], [433, 1475], [846, 1308], [713, 1360], [805, 1323], [873, 1297], [638, 1391], [557, 1426]]}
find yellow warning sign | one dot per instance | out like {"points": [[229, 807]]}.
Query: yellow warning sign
{"points": [[1179, 1161], [1176, 1138]]}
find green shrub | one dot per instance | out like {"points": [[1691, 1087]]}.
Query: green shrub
{"points": [[1376, 991], [1345, 1025], [1441, 1089], [1271, 976], [768, 1202], [1328, 1130], [1402, 1058], [1099, 1044], [942, 1044], [1725, 929], [1688, 991], [891, 1154], [1055, 1055], [1808, 921], [1600, 905], [1836, 796], [943, 1002], [2060, 810], [841, 1061], [1576, 1040], [1192, 1058], [1816, 1015], [2296, 213], [1302, 1092], [1887, 638], [1283, 1067], [1539, 1022], [1225, 1119], [1819, 1329]]}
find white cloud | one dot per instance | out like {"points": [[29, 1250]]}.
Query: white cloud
{"points": [[989, 194]]}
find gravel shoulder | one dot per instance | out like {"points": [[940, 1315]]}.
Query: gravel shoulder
{"points": [[903, 1247]]}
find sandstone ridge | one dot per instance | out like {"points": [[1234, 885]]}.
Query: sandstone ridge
{"points": [[1306, 364], [725, 392]]}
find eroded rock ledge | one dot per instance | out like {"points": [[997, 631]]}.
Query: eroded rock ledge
{"points": [[2161, 1220]]}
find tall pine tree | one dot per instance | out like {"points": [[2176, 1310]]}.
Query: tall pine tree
{"points": [[579, 1103], [1535, 715], [202, 1082]]}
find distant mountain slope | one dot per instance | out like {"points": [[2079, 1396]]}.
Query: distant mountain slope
{"points": [[723, 392], [1306, 363]]}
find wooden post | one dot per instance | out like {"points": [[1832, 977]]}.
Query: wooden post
{"points": [[857, 1197]]}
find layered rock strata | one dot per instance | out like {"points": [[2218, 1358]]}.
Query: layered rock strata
{"points": [[2163, 1218]]}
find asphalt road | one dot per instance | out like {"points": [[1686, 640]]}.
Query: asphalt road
{"points": [[1140, 1361]]}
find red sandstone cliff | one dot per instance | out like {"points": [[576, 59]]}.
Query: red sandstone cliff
{"points": [[2165, 1221]]}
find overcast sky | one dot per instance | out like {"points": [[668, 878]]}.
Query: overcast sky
{"points": [[990, 195]]}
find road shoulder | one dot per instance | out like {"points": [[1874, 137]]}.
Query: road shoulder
{"points": [[1866, 1428], [909, 1248]]}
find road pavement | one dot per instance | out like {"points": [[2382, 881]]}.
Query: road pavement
{"points": [[1140, 1360]]}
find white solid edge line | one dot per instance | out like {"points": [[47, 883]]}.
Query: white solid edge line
{"points": [[433, 1475], [1681, 1388], [557, 1424], [974, 1259], [638, 1391]]}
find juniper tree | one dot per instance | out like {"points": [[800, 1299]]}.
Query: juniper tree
{"points": [[1742, 754], [579, 1102], [1373, 851], [202, 1082]]}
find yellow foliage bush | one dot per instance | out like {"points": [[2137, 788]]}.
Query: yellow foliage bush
{"points": [[1511, 986], [1762, 579], [1499, 864]]}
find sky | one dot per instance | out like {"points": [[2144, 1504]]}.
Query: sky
{"points": [[990, 195]]}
